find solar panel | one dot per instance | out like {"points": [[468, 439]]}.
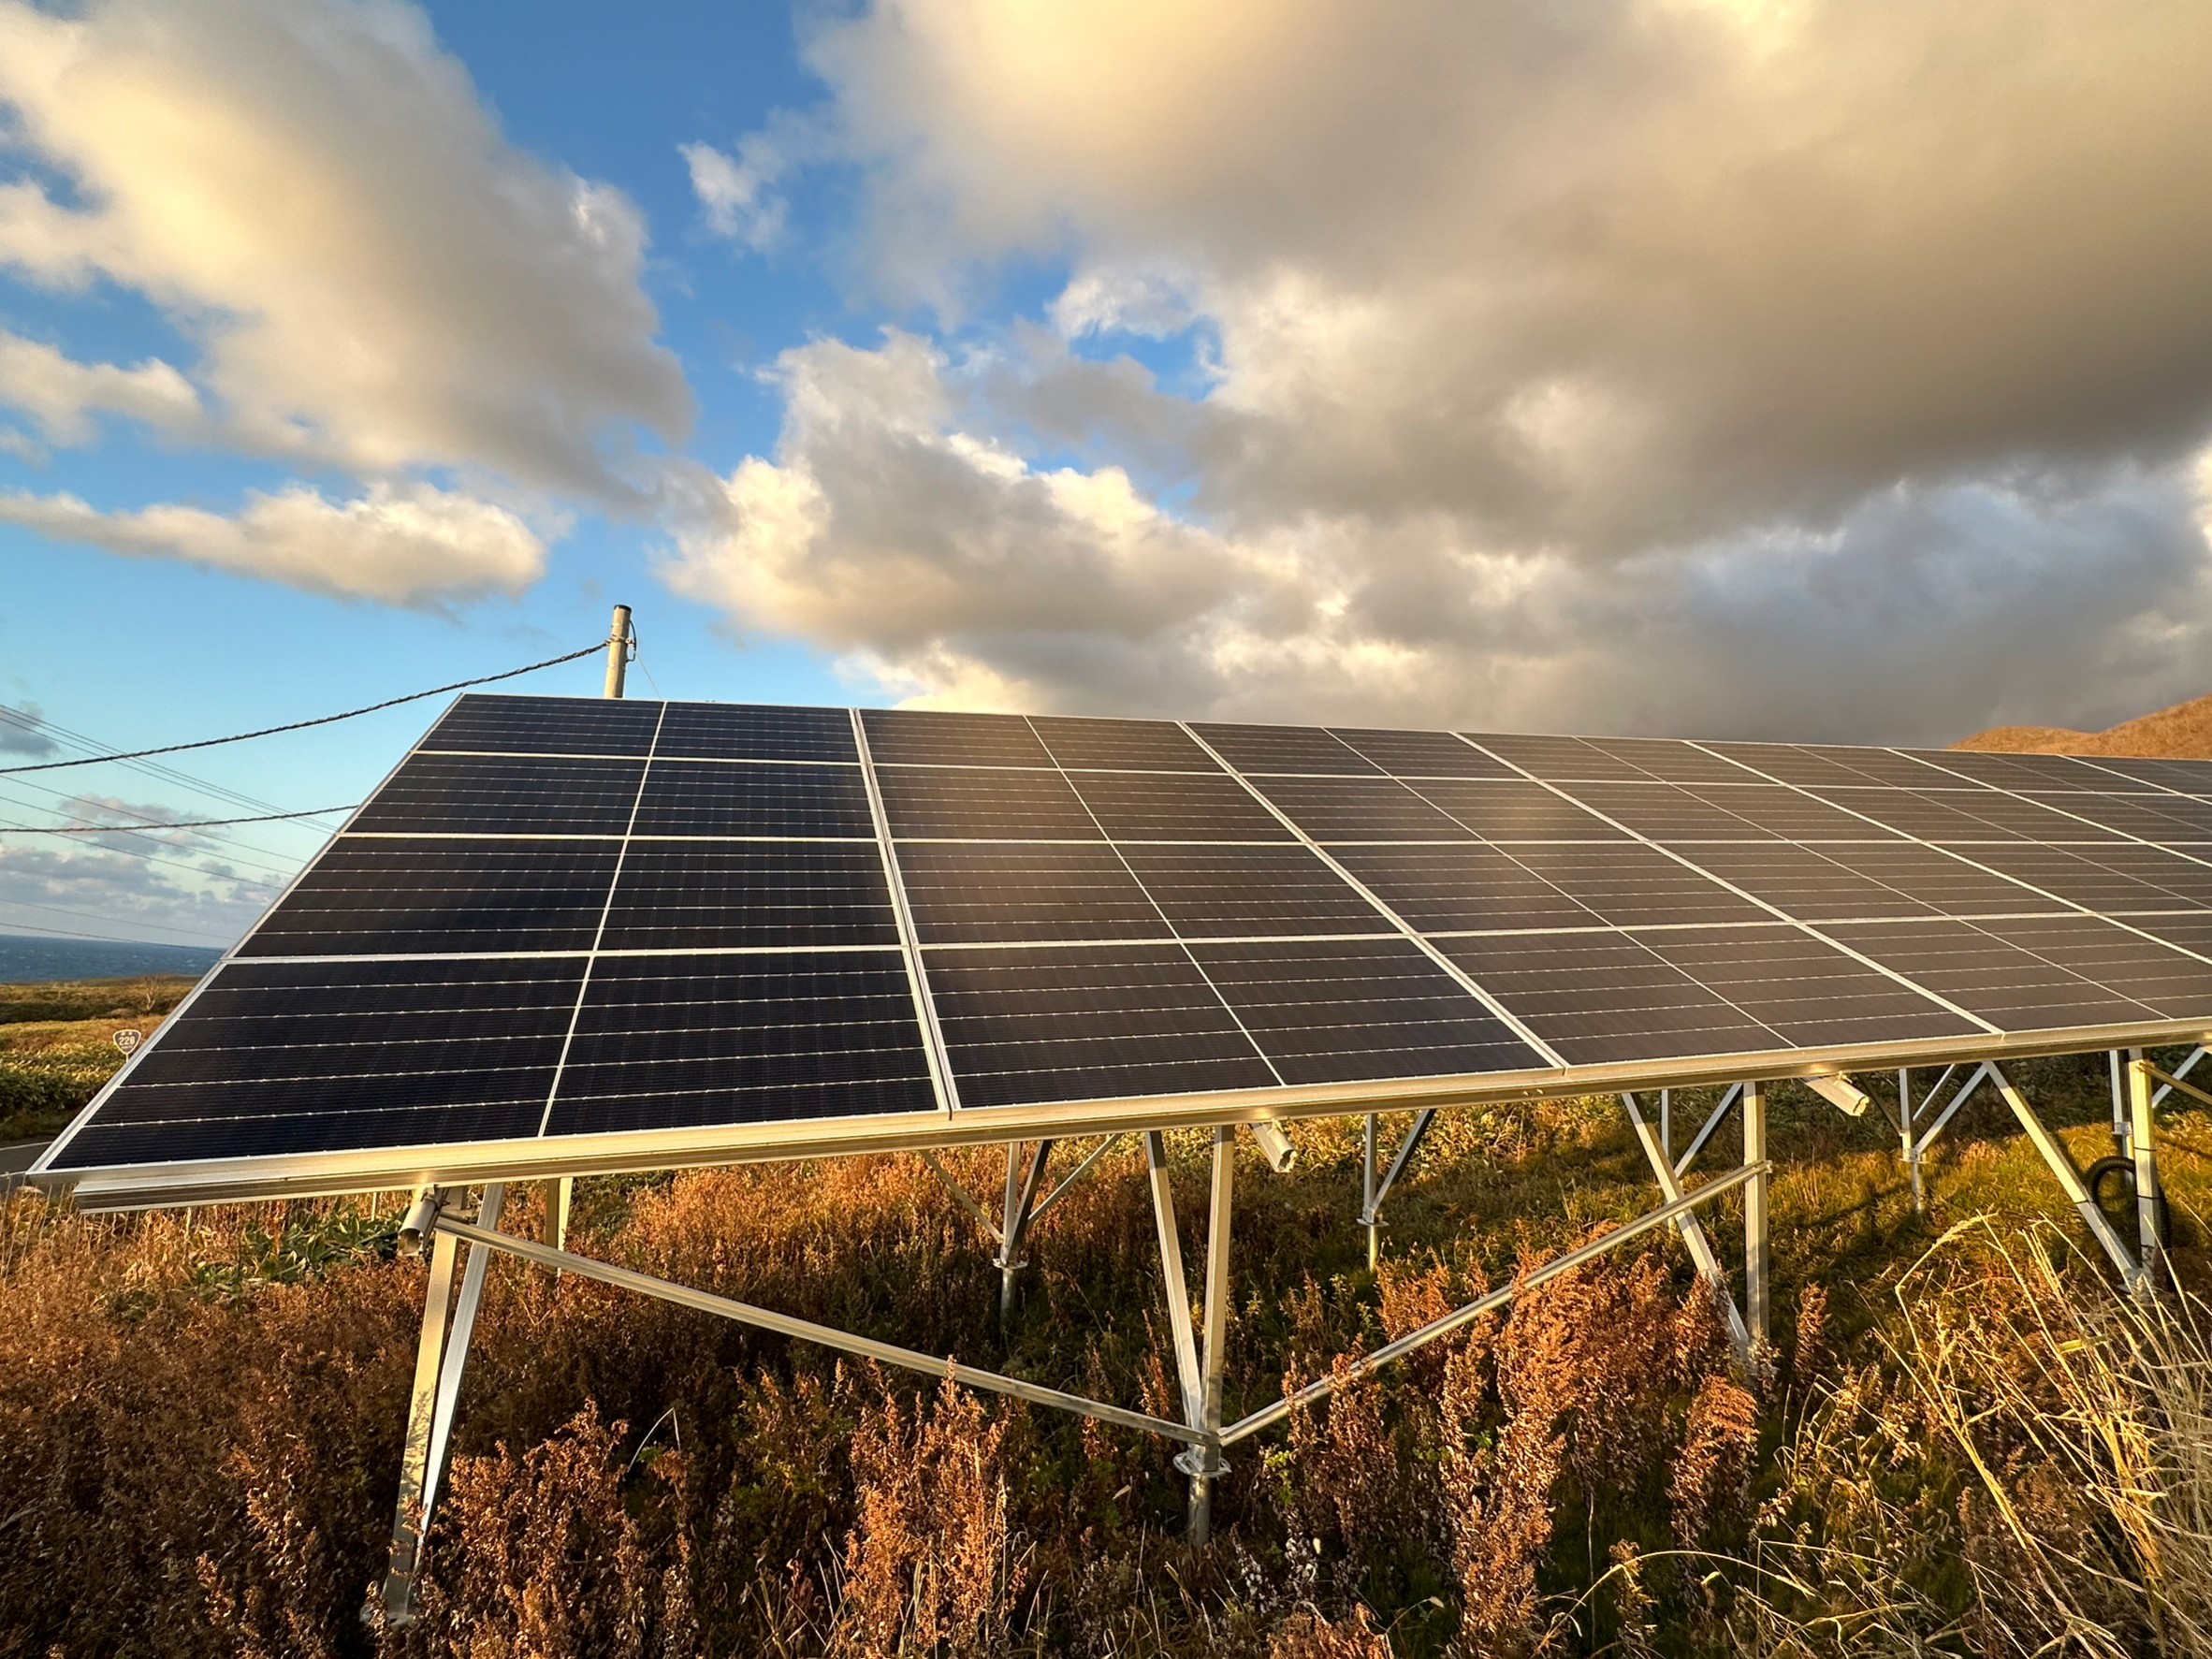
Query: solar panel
{"points": [[569, 934]]}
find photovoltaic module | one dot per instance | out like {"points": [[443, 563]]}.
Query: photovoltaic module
{"points": [[574, 933]]}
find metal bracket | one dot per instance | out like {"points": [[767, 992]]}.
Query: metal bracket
{"points": [[1839, 1092], [1691, 1230], [1375, 1191]]}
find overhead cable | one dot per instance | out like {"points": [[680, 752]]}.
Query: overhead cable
{"points": [[142, 829], [459, 685]]}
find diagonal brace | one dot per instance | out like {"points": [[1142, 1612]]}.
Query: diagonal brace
{"points": [[1321, 1388], [1691, 1230], [744, 1313], [1719, 1116], [2069, 1180]]}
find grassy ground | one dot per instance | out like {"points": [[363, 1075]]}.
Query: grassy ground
{"points": [[57, 1044], [199, 1418]]}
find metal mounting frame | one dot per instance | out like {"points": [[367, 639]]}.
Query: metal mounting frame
{"points": [[1198, 1338]]}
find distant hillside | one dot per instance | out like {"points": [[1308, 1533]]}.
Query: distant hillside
{"points": [[2183, 732]]}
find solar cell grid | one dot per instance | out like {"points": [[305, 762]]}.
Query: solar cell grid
{"points": [[702, 798], [1605, 999], [2119, 876], [983, 804], [2013, 988], [1343, 1010], [1558, 760], [2118, 958], [1945, 881], [2014, 771], [1422, 754], [1461, 888], [1362, 809], [2167, 819], [1141, 746], [910, 736], [1035, 1025], [1175, 806], [1671, 761], [545, 725], [748, 732], [494, 794], [286, 1057], [1632, 885], [1666, 812], [370, 896], [981, 892], [1790, 814], [704, 895], [1284, 749], [1822, 766], [1804, 883], [681, 1042], [1238, 891], [1929, 815], [1514, 809], [749, 968], [1813, 994], [2190, 777]]}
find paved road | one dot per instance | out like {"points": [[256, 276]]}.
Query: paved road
{"points": [[15, 1159]]}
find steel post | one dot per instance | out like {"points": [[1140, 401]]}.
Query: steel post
{"points": [[1911, 1152], [1758, 1248], [2142, 1147], [1368, 1218], [1177, 1287], [1202, 1462], [422, 1406]]}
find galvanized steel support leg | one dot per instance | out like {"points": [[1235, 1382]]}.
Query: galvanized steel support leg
{"points": [[1177, 1288], [408, 1519], [2143, 1146], [1202, 1462], [1757, 1249], [2116, 1066], [1021, 1208], [1691, 1230], [2077, 1189], [559, 1195], [1368, 1218], [457, 1349], [1910, 1149]]}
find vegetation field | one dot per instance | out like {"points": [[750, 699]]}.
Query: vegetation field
{"points": [[57, 1044], [1963, 1442]]}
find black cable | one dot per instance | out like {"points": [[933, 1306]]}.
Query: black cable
{"points": [[459, 685], [142, 829]]}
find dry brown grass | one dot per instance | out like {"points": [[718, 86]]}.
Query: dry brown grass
{"points": [[199, 1417], [2183, 732]]}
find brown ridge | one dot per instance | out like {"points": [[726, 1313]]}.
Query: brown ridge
{"points": [[2183, 732]]}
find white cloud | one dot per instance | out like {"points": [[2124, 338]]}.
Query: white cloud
{"points": [[315, 197], [116, 894], [399, 544], [734, 189], [62, 395], [1657, 363]]}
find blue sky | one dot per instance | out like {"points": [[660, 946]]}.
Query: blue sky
{"points": [[1471, 365]]}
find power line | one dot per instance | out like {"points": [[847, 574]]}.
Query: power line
{"points": [[133, 829], [138, 754], [25, 904], [104, 939], [176, 863], [233, 848]]}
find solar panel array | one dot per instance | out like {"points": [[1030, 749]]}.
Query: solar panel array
{"points": [[565, 917]]}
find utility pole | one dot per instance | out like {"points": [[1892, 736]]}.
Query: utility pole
{"points": [[621, 644], [622, 641]]}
